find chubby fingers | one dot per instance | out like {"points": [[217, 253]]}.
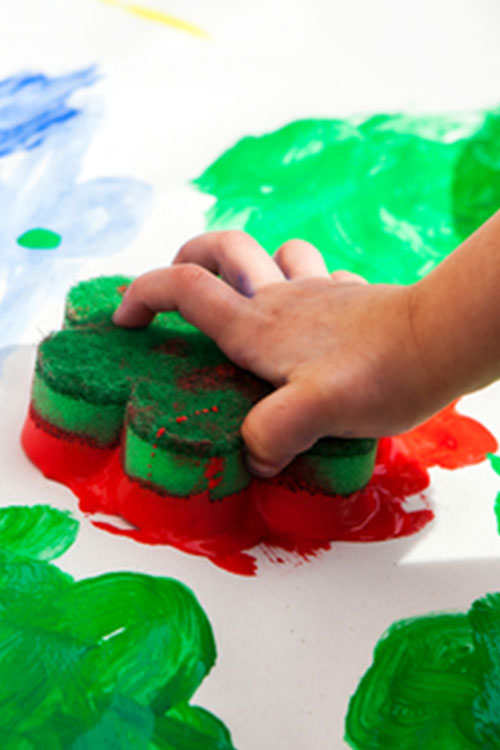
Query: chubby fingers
{"points": [[287, 422], [236, 256], [202, 299]]}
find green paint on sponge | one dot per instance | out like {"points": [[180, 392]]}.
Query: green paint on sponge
{"points": [[337, 467], [100, 423]]}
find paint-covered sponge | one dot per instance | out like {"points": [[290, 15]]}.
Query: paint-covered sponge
{"points": [[145, 424], [170, 395]]}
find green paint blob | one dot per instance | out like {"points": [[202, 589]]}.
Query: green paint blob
{"points": [[105, 662], [434, 684], [40, 239], [388, 198]]}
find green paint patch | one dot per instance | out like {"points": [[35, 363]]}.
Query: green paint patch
{"points": [[40, 239], [434, 683], [495, 465], [476, 177], [104, 662], [38, 533], [388, 197]]}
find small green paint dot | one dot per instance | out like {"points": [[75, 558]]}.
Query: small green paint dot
{"points": [[40, 239]]}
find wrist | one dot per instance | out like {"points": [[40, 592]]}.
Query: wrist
{"points": [[420, 384], [438, 339]]}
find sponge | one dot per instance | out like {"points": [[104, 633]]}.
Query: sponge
{"points": [[170, 396]]}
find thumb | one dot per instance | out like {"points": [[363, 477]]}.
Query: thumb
{"points": [[287, 422]]}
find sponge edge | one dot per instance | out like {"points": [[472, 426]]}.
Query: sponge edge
{"points": [[338, 473], [172, 399]]}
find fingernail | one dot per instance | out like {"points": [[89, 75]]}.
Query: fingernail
{"points": [[120, 314], [259, 469]]}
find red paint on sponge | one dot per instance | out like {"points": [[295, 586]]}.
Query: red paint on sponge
{"points": [[215, 472]]}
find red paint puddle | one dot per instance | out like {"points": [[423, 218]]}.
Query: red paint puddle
{"points": [[280, 513]]}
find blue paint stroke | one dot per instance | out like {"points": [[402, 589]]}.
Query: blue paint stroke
{"points": [[31, 107], [43, 139]]}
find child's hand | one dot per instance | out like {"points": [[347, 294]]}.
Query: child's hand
{"points": [[341, 353]]}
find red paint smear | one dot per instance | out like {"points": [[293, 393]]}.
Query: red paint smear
{"points": [[450, 440], [214, 472], [276, 512]]}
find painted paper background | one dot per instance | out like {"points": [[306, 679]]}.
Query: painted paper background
{"points": [[172, 86]]}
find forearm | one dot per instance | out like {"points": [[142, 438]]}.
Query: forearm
{"points": [[456, 316]]}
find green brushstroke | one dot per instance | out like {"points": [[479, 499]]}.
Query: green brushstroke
{"points": [[40, 239], [388, 197], [476, 179], [105, 662], [434, 683], [38, 533], [495, 465]]}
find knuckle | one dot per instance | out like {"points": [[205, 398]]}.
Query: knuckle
{"points": [[190, 274], [233, 235], [231, 240]]}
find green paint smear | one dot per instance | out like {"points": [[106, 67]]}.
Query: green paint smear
{"points": [[388, 197], [495, 465], [39, 532], [105, 662], [434, 683], [40, 239]]}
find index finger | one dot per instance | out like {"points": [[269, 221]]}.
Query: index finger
{"points": [[201, 298]]}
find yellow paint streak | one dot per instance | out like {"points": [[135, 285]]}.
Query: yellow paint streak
{"points": [[157, 16]]}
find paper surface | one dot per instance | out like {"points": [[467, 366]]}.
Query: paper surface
{"points": [[294, 641]]}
